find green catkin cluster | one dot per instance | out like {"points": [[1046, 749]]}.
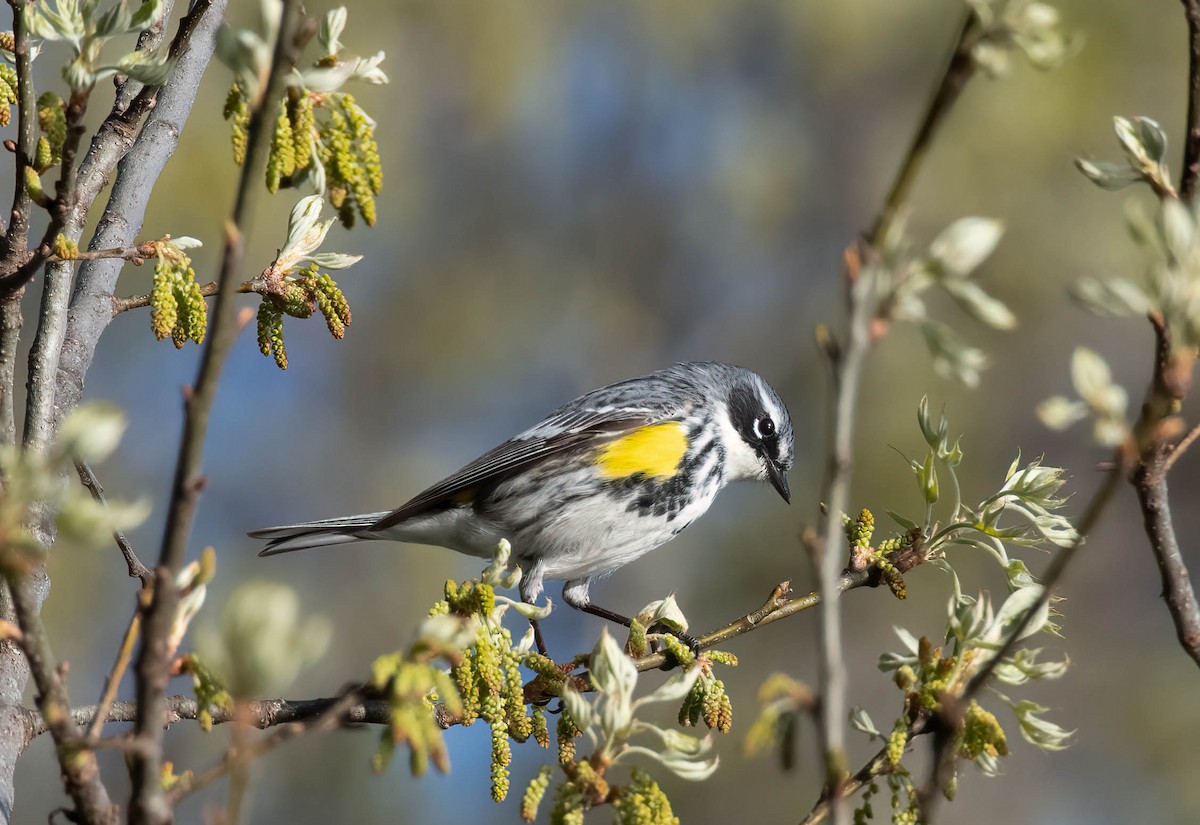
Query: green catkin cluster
{"points": [[492, 712], [281, 159], [304, 127], [896, 742], [642, 802], [488, 680], [637, 645], [292, 140], [52, 120], [331, 301], [693, 704], [891, 575], [520, 726], [354, 174], [308, 291], [8, 92], [568, 805], [707, 699], [237, 112], [177, 306], [860, 530], [534, 793], [412, 683], [981, 734], [718, 710], [541, 732], [904, 811], [682, 653], [864, 813], [566, 731], [270, 332]]}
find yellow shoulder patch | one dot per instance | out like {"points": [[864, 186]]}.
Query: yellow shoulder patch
{"points": [[655, 450]]}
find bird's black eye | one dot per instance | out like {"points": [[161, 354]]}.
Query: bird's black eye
{"points": [[764, 427]]}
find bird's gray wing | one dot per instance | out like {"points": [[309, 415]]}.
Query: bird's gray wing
{"points": [[567, 429]]}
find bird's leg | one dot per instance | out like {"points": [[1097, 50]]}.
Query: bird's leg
{"points": [[537, 637], [575, 593]]}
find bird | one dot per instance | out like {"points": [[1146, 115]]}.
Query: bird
{"points": [[599, 482]]}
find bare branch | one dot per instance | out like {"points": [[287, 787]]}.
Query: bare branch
{"points": [[137, 570], [112, 682], [960, 69], [138, 301], [846, 361], [1176, 452], [263, 714], [149, 804], [16, 237], [776, 607], [1150, 481], [11, 321]]}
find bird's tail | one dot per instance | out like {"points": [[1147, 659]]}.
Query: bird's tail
{"points": [[324, 533]]}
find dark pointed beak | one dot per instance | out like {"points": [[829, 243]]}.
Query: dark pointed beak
{"points": [[778, 480]]}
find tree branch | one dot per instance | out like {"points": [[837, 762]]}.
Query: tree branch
{"points": [[149, 804], [846, 362], [775, 608], [138, 301], [262, 714], [137, 570], [1149, 479], [16, 237], [959, 70], [11, 321]]}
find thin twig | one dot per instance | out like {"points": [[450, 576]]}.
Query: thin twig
{"points": [[777, 607], [263, 714], [1176, 452], [137, 301], [136, 255], [846, 360], [137, 570], [150, 805], [959, 70], [112, 682]]}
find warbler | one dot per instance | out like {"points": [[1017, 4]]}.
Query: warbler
{"points": [[602, 480]]}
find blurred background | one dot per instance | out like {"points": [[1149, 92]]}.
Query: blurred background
{"points": [[576, 193]]}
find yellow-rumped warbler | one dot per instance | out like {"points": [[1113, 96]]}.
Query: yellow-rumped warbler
{"points": [[601, 481]]}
